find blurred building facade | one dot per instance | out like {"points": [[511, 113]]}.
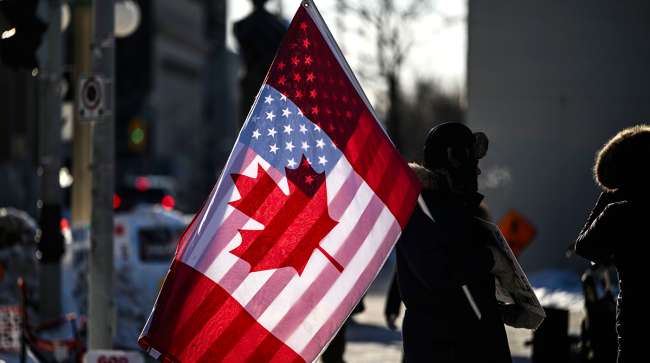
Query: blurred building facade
{"points": [[18, 139], [176, 110], [550, 81], [181, 94]]}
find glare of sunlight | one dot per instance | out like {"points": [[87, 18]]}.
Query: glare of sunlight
{"points": [[8, 33]]}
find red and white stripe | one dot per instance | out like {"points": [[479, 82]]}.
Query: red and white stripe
{"points": [[295, 308]]}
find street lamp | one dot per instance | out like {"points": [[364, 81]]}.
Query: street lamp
{"points": [[65, 16], [127, 18]]}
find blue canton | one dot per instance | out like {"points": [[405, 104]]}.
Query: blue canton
{"points": [[279, 132]]}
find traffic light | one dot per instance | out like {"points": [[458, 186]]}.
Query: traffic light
{"points": [[22, 33], [137, 135]]}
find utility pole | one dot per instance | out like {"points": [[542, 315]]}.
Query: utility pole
{"points": [[82, 16], [218, 113], [49, 138], [100, 297]]}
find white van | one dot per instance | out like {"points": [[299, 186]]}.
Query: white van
{"points": [[145, 240]]}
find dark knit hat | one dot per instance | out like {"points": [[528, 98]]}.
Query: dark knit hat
{"points": [[453, 135]]}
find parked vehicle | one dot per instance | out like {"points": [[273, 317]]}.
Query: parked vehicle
{"points": [[136, 191], [145, 240]]}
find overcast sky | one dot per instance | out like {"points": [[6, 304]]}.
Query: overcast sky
{"points": [[439, 52]]}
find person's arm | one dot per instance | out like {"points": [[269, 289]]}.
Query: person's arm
{"points": [[604, 199], [596, 241]]}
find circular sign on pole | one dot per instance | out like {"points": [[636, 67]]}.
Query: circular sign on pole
{"points": [[91, 97]]}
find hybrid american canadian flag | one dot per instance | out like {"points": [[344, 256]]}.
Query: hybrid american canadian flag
{"points": [[304, 215]]}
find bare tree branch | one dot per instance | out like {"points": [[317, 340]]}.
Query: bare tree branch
{"points": [[415, 9], [390, 24]]}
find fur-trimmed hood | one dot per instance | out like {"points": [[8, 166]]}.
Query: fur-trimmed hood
{"points": [[624, 159], [431, 179]]}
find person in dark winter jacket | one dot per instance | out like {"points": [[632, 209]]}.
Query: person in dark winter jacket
{"points": [[392, 308], [618, 232], [444, 264]]}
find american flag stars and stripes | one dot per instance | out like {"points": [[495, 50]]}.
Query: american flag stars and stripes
{"points": [[280, 133], [304, 215]]}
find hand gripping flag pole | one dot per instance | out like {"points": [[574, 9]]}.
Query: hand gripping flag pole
{"points": [[311, 201]]}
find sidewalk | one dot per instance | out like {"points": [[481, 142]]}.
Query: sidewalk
{"points": [[370, 341]]}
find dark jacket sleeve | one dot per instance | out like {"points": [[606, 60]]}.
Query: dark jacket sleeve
{"points": [[597, 241], [601, 203]]}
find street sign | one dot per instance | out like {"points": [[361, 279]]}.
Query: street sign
{"points": [[113, 356], [92, 98], [10, 323], [517, 230]]}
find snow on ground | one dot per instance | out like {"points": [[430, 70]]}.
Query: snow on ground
{"points": [[370, 341], [560, 289]]}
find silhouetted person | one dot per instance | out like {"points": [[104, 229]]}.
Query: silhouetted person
{"points": [[259, 36], [618, 232], [393, 305], [444, 262]]}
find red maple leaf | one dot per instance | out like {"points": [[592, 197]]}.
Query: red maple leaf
{"points": [[294, 224]]}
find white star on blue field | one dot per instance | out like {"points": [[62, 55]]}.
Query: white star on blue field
{"points": [[279, 132]]}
